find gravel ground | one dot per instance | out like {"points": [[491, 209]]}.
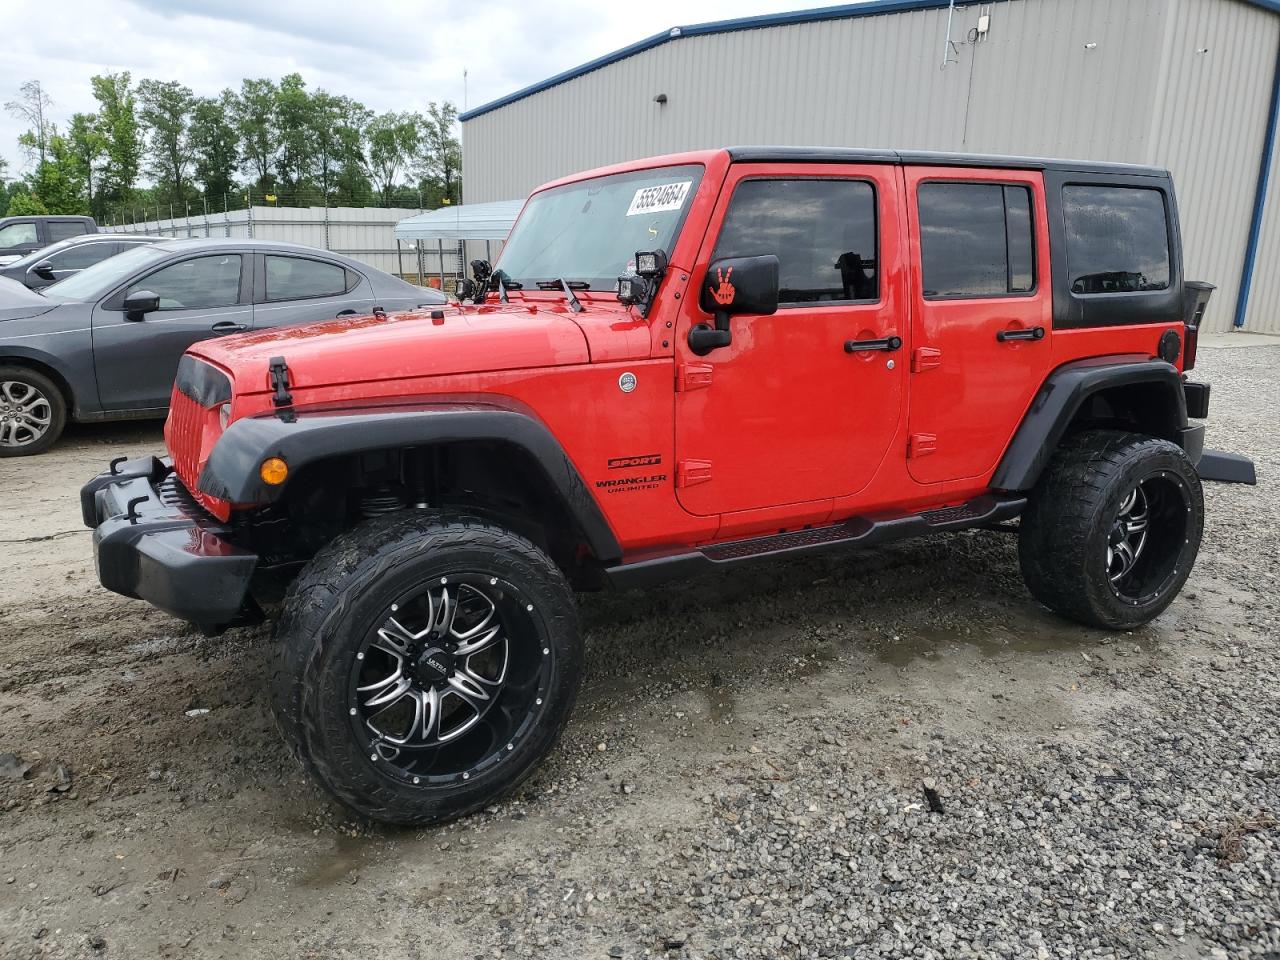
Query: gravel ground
{"points": [[895, 754]]}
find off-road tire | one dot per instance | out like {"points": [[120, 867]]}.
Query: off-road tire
{"points": [[57, 408], [329, 609], [1063, 543]]}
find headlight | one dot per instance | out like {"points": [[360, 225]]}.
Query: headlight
{"points": [[224, 415]]}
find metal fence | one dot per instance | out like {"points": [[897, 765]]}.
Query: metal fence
{"points": [[366, 234]]}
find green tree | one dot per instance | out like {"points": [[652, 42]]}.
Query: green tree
{"points": [[122, 144], [33, 106], [295, 123], [215, 145], [24, 204], [87, 149], [166, 112], [56, 182], [254, 117], [440, 153], [392, 142], [334, 132]]}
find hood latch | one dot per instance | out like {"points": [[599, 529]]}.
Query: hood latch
{"points": [[279, 372]]}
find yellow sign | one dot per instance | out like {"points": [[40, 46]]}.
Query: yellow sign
{"points": [[270, 198]]}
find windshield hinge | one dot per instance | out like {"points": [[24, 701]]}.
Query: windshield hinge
{"points": [[279, 372]]}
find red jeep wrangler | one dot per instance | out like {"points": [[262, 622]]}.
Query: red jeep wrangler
{"points": [[807, 350]]}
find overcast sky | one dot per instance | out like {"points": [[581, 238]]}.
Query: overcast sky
{"points": [[388, 54]]}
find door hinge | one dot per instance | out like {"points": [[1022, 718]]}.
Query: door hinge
{"points": [[922, 444], [690, 473], [926, 358], [693, 376]]}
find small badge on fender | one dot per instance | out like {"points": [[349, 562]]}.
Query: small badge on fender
{"points": [[627, 382], [622, 463]]}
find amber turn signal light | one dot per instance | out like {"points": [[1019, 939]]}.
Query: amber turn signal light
{"points": [[273, 471]]}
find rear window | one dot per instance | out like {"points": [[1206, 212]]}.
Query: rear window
{"points": [[1117, 239], [975, 240], [293, 278]]}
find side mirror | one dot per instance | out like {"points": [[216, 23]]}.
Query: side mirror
{"points": [[139, 303], [734, 285], [44, 270]]}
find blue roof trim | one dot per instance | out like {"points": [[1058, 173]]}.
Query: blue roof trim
{"points": [[1260, 200], [814, 15]]}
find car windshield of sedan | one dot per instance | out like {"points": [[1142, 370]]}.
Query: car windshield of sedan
{"points": [[589, 231], [92, 282]]}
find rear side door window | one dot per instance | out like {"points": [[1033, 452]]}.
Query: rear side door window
{"points": [[823, 233], [296, 278], [1117, 239], [196, 284], [976, 240], [62, 229]]}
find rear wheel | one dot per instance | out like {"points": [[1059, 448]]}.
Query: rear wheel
{"points": [[1112, 529], [32, 412], [427, 663]]}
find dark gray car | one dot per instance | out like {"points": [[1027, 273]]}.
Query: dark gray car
{"points": [[46, 266], [104, 344]]}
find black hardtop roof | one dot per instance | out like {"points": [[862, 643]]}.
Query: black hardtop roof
{"points": [[930, 158]]}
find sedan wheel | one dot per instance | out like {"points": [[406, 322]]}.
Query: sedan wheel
{"points": [[32, 412]]}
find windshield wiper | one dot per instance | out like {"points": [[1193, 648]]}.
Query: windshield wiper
{"points": [[568, 286]]}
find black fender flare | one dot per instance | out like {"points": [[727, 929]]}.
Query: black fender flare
{"points": [[1065, 391], [303, 437]]}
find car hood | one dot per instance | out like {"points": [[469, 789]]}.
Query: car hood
{"points": [[17, 302], [444, 340]]}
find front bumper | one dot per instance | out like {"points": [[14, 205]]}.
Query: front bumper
{"points": [[153, 542]]}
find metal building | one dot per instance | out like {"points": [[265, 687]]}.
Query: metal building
{"points": [[1192, 85]]}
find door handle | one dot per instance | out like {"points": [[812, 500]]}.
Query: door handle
{"points": [[1030, 333], [863, 346], [228, 326], [346, 313]]}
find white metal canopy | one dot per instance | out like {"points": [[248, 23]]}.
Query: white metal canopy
{"points": [[466, 221]]}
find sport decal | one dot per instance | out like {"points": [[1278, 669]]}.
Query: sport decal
{"points": [[665, 196]]}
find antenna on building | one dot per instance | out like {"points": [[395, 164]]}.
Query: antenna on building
{"points": [[948, 47]]}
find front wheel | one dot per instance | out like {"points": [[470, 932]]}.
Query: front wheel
{"points": [[427, 662], [32, 412], [1112, 529]]}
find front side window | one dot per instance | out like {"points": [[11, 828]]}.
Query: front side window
{"points": [[823, 233], [77, 256], [976, 240], [589, 231], [1117, 239], [199, 283], [293, 278], [62, 229], [17, 235]]}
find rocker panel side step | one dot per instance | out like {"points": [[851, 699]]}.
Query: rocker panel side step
{"points": [[854, 532]]}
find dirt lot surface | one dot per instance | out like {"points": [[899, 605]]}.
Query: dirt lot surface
{"points": [[744, 776]]}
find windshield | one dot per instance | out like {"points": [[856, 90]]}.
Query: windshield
{"points": [[590, 231], [91, 282]]}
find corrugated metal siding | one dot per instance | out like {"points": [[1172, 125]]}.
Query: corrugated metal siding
{"points": [[1094, 79], [1263, 315], [366, 234], [1209, 126]]}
